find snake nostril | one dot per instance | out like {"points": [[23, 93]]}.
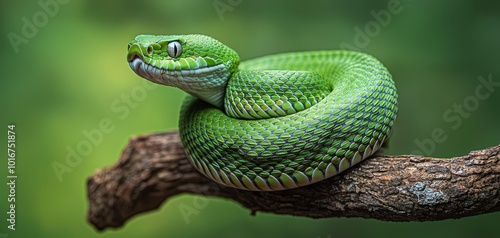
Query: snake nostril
{"points": [[149, 50]]}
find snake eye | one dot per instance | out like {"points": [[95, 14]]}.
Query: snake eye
{"points": [[174, 49]]}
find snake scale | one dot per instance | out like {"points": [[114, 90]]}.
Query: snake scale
{"points": [[275, 122]]}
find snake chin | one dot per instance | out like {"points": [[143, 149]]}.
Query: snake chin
{"points": [[197, 82], [135, 65], [146, 71]]}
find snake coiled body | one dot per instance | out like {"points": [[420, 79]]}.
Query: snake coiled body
{"points": [[275, 122]]}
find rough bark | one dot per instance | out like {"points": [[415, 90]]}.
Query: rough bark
{"points": [[154, 168]]}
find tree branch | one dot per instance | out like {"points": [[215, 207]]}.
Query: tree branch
{"points": [[154, 168]]}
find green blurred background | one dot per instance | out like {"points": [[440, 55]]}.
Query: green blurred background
{"points": [[71, 74]]}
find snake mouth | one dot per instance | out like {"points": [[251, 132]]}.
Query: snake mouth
{"points": [[162, 76], [136, 64]]}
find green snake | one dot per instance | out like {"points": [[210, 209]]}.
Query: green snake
{"points": [[271, 123]]}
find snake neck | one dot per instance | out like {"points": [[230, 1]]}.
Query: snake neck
{"points": [[214, 94], [207, 86]]}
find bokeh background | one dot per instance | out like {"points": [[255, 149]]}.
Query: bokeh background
{"points": [[60, 81]]}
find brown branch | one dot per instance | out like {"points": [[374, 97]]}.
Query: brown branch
{"points": [[154, 168]]}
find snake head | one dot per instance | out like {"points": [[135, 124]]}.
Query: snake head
{"points": [[197, 64]]}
